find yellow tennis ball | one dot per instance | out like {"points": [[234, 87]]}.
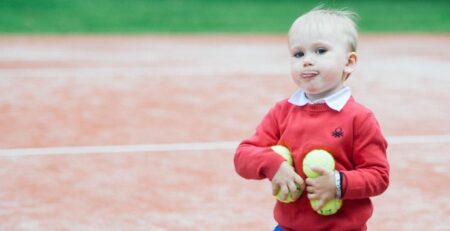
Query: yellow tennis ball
{"points": [[330, 208], [317, 158], [289, 197], [321, 158], [284, 152]]}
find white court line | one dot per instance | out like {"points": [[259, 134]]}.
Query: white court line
{"points": [[431, 139], [226, 145], [119, 148]]}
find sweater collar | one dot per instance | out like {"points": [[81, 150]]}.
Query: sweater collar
{"points": [[335, 101]]}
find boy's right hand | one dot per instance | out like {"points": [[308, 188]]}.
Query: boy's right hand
{"points": [[286, 180]]}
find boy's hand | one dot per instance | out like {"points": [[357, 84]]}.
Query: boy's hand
{"points": [[322, 188], [285, 179]]}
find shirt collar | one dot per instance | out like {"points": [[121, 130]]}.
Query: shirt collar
{"points": [[335, 101]]}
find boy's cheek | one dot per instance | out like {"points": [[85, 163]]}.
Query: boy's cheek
{"points": [[296, 63], [295, 70]]}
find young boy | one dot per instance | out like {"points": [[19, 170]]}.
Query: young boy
{"points": [[322, 114]]}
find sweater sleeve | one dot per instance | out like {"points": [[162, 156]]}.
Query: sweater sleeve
{"points": [[370, 176], [254, 159]]}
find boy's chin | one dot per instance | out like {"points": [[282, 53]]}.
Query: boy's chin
{"points": [[313, 92], [315, 95], [324, 92]]}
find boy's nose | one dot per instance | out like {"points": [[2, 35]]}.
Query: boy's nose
{"points": [[307, 62]]}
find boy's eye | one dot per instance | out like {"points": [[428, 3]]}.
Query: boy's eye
{"points": [[299, 54], [321, 51]]}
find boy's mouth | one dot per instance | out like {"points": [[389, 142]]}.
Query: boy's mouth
{"points": [[309, 74]]}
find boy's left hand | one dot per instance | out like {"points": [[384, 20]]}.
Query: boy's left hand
{"points": [[322, 188]]}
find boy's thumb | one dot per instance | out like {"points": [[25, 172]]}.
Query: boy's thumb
{"points": [[321, 171]]}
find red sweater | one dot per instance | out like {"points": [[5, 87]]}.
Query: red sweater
{"points": [[354, 138]]}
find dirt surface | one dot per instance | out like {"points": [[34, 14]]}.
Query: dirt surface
{"points": [[96, 91]]}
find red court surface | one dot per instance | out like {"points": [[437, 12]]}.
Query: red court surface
{"points": [[138, 133]]}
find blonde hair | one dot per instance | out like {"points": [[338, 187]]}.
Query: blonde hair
{"points": [[320, 20]]}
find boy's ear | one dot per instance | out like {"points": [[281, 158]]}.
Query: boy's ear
{"points": [[352, 58]]}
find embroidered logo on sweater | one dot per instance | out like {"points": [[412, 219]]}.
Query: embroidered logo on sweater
{"points": [[337, 133]]}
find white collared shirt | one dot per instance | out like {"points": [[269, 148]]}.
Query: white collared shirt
{"points": [[335, 101]]}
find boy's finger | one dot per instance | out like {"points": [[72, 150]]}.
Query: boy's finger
{"points": [[320, 205], [300, 182], [320, 170], [310, 189], [309, 181], [312, 196], [294, 189], [284, 192], [298, 178], [275, 189]]}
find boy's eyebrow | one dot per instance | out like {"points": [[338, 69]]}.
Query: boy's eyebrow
{"points": [[315, 44], [296, 47], [321, 43]]}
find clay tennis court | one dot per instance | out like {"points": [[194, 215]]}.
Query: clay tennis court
{"points": [[139, 132]]}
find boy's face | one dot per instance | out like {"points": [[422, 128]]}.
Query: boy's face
{"points": [[318, 61]]}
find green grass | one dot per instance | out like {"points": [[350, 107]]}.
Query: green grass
{"points": [[209, 16]]}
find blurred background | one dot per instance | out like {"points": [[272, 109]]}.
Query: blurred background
{"points": [[213, 16]]}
